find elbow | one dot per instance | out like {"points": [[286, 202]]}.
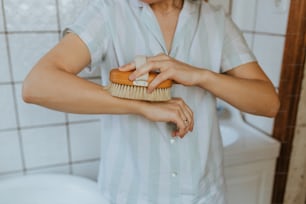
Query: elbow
{"points": [[27, 92], [30, 91], [274, 107]]}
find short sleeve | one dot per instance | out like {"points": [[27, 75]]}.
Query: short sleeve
{"points": [[91, 27], [235, 48]]}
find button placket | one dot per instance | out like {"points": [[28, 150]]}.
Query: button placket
{"points": [[173, 142], [174, 174]]}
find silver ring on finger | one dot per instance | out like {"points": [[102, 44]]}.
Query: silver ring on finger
{"points": [[186, 122]]}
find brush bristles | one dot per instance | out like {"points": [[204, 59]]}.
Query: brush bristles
{"points": [[138, 92]]}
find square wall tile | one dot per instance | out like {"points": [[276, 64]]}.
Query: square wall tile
{"points": [[7, 108], [33, 115], [5, 75], [27, 49], [34, 15], [69, 10], [45, 146], [88, 169], [269, 51], [10, 155], [244, 14], [63, 169], [85, 141], [1, 20], [272, 16]]}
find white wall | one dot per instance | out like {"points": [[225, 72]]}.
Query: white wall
{"points": [[35, 139]]}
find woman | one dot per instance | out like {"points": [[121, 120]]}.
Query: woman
{"points": [[197, 46]]}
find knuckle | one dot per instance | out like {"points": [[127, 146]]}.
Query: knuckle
{"points": [[180, 102], [151, 64]]}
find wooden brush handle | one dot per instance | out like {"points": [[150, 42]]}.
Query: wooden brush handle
{"points": [[120, 77]]}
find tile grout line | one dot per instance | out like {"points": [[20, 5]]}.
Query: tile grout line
{"points": [[51, 125], [69, 152], [10, 64]]}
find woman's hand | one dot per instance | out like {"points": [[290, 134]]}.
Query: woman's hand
{"points": [[169, 68], [174, 111]]}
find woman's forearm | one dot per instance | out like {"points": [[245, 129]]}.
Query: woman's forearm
{"points": [[63, 91], [249, 95]]}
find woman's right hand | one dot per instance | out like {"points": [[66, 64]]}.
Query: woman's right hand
{"points": [[174, 111]]}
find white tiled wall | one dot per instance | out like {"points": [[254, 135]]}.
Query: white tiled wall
{"points": [[35, 139], [34, 15], [84, 135], [10, 155], [33, 115], [24, 59], [45, 146], [87, 169], [4, 66], [273, 16], [269, 51], [7, 108], [266, 24], [1, 19], [69, 9]]}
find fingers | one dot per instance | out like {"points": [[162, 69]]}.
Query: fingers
{"points": [[128, 67], [184, 119], [131, 66], [159, 57], [157, 66], [158, 80]]}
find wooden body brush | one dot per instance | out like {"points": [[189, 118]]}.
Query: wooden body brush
{"points": [[120, 85]]}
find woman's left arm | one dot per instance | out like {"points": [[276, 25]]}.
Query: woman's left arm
{"points": [[246, 87]]}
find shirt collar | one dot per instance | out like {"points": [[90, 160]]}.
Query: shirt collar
{"points": [[189, 5]]}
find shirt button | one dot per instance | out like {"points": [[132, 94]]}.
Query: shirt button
{"points": [[174, 174], [172, 141]]}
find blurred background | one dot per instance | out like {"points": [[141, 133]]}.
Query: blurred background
{"points": [[35, 139]]}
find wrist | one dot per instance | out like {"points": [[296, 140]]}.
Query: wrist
{"points": [[202, 77], [139, 107]]}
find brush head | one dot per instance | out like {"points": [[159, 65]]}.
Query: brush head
{"points": [[122, 87]]}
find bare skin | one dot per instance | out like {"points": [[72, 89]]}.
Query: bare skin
{"points": [[53, 81]]}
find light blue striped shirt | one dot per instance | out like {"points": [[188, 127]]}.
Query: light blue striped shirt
{"points": [[140, 162]]}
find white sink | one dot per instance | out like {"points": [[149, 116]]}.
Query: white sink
{"points": [[229, 135], [50, 189]]}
